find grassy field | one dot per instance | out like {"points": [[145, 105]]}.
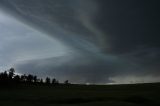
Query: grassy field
{"points": [[81, 95]]}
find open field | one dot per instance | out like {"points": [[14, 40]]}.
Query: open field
{"points": [[81, 95]]}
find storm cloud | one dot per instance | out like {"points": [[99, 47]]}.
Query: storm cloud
{"points": [[103, 40]]}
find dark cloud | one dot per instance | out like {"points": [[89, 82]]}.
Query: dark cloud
{"points": [[131, 23], [107, 37]]}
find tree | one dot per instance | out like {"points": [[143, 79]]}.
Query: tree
{"points": [[30, 78], [9, 77], [41, 81], [66, 82], [17, 78], [53, 81], [48, 80], [23, 78], [11, 73], [4, 77], [35, 79]]}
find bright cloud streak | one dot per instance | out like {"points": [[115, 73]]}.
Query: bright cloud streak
{"points": [[20, 43]]}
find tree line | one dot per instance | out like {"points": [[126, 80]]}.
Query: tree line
{"points": [[9, 77]]}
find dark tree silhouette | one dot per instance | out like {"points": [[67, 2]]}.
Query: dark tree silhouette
{"points": [[30, 78], [23, 78], [11, 73], [9, 77], [35, 79], [48, 80], [17, 79], [41, 81], [4, 78], [66, 82], [53, 81]]}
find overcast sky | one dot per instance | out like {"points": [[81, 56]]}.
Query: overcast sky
{"points": [[85, 41]]}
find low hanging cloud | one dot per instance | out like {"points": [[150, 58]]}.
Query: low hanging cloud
{"points": [[78, 69]]}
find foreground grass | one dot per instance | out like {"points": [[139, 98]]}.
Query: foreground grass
{"points": [[81, 95]]}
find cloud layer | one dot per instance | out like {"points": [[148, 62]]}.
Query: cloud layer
{"points": [[103, 38]]}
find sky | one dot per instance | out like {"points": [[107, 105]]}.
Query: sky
{"points": [[84, 41]]}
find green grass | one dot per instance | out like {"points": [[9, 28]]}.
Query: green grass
{"points": [[81, 95]]}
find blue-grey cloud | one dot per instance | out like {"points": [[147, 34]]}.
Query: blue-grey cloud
{"points": [[20, 43], [106, 38]]}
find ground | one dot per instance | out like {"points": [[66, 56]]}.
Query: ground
{"points": [[81, 95]]}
